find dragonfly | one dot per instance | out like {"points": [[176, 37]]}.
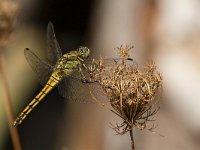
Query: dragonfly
{"points": [[56, 71]]}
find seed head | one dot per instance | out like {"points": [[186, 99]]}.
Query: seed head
{"points": [[124, 51], [131, 91]]}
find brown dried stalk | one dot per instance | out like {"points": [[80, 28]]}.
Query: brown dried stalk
{"points": [[132, 92], [8, 105]]}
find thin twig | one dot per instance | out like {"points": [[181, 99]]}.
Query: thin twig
{"points": [[132, 139], [8, 106]]}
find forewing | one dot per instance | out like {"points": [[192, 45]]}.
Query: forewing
{"points": [[73, 89], [106, 65], [40, 67], [110, 62], [53, 48]]}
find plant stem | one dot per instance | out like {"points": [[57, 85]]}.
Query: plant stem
{"points": [[8, 106], [132, 140]]}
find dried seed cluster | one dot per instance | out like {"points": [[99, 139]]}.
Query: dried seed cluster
{"points": [[124, 51], [132, 92], [8, 16]]}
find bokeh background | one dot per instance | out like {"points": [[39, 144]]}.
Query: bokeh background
{"points": [[166, 31]]}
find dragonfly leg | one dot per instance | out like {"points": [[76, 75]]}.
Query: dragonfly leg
{"points": [[83, 77]]}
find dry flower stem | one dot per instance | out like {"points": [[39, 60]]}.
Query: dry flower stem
{"points": [[132, 139], [8, 106]]}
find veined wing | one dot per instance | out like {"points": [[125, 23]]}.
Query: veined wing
{"points": [[40, 67], [89, 68], [114, 61], [104, 66], [73, 89], [53, 48]]}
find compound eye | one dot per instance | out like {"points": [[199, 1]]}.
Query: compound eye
{"points": [[83, 50]]}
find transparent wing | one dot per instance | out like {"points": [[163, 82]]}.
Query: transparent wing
{"points": [[53, 48], [105, 65], [73, 89], [110, 62], [40, 67]]}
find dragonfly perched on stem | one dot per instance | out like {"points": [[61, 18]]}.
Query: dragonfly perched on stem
{"points": [[54, 73]]}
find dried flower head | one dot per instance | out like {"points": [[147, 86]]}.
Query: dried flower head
{"points": [[132, 91], [8, 16], [124, 51]]}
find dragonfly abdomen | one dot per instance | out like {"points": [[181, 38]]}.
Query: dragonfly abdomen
{"points": [[52, 82]]}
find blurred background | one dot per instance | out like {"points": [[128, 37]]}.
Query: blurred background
{"points": [[166, 31]]}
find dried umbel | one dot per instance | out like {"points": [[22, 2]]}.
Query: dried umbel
{"points": [[8, 16], [132, 91]]}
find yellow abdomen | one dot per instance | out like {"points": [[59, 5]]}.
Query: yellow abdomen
{"points": [[52, 82]]}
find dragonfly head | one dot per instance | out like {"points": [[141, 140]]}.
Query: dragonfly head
{"points": [[83, 52]]}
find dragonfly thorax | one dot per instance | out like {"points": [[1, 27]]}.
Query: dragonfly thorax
{"points": [[67, 64], [72, 60]]}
